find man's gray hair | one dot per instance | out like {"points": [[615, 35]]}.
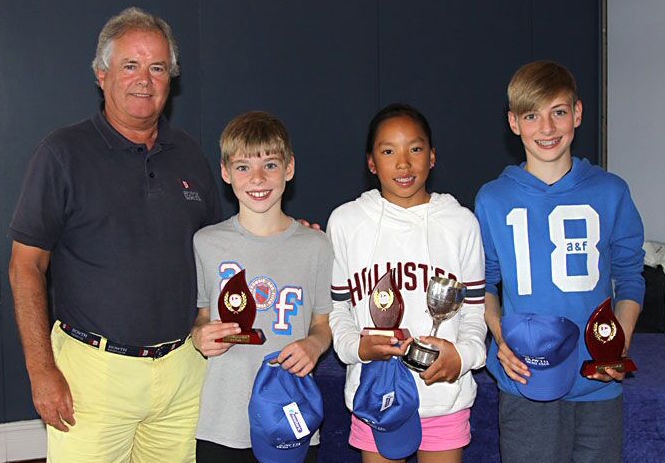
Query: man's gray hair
{"points": [[133, 19]]}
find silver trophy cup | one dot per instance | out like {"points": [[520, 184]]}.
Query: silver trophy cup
{"points": [[444, 299]]}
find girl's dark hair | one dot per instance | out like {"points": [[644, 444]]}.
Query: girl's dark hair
{"points": [[396, 110]]}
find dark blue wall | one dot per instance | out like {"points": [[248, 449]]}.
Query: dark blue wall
{"points": [[324, 67]]}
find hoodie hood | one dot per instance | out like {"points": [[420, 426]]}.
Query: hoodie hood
{"points": [[385, 213], [411, 223], [579, 172]]}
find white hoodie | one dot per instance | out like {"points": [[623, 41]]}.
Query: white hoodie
{"points": [[370, 234]]}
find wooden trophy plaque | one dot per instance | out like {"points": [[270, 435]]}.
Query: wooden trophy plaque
{"points": [[236, 305], [386, 308], [605, 340]]}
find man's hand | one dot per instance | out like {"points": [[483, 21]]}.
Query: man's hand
{"points": [[50, 391], [300, 357], [52, 398], [313, 226], [376, 347], [205, 337], [514, 368], [447, 365]]}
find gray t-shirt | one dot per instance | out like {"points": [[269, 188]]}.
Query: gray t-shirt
{"points": [[289, 276]]}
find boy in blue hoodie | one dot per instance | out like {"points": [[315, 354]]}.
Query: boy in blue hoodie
{"points": [[560, 236]]}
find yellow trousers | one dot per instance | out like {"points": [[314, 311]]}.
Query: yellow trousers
{"points": [[127, 409]]}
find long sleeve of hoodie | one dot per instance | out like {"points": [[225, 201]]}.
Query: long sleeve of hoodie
{"points": [[627, 258], [492, 268], [345, 331], [472, 330]]}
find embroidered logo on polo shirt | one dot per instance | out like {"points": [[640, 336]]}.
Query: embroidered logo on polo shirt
{"points": [[188, 193]]}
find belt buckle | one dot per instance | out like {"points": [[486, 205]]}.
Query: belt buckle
{"points": [[162, 350]]}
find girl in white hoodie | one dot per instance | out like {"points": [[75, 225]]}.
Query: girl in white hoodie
{"points": [[418, 234]]}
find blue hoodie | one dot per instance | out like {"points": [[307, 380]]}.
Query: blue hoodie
{"points": [[560, 249]]}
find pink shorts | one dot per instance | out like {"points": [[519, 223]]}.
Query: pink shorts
{"points": [[440, 433]]}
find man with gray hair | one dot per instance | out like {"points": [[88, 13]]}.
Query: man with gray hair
{"points": [[109, 207]]}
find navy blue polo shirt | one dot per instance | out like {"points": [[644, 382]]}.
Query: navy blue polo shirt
{"points": [[118, 221]]}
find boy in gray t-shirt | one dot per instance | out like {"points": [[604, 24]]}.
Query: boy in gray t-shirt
{"points": [[288, 269]]}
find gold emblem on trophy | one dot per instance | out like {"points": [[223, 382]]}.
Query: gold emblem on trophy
{"points": [[604, 332], [235, 302], [383, 299]]}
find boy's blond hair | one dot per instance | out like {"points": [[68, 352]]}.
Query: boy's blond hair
{"points": [[538, 83], [255, 133]]}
